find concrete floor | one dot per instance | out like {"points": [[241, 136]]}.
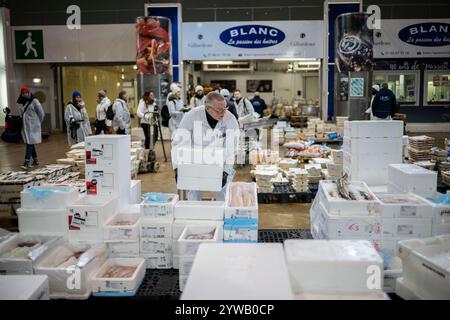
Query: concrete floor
{"points": [[271, 216]]}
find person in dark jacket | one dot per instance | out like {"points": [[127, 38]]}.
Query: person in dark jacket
{"points": [[258, 104], [230, 105], [384, 104]]}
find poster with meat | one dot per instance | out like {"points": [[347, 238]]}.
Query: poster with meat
{"points": [[153, 45]]}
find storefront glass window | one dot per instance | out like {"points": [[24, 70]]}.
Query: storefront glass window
{"points": [[438, 88], [403, 85]]}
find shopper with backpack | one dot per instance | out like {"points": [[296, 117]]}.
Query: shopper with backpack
{"points": [[77, 120], [101, 121], [384, 105], [122, 118], [32, 116]]}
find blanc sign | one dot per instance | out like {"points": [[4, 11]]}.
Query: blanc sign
{"points": [[426, 34], [252, 36]]}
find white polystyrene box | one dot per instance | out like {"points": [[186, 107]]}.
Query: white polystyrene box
{"points": [[404, 206], [158, 261], [440, 215], [25, 264], [199, 210], [403, 291], [199, 183], [179, 225], [107, 284], [135, 192], [123, 248], [185, 264], [373, 129], [24, 287], [156, 228], [42, 221], [239, 272], [406, 227], [48, 197], [246, 212], [188, 246], [333, 266], [339, 206], [151, 209], [87, 216], [155, 246], [122, 226], [412, 178], [373, 146], [59, 277], [426, 266]]}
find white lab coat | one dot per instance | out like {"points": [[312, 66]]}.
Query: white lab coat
{"points": [[101, 109], [196, 102], [32, 120], [245, 112], [217, 140], [122, 117], [174, 106], [144, 108], [72, 114]]}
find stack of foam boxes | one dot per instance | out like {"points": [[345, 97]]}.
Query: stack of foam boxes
{"points": [[403, 178], [188, 244], [157, 212], [241, 213], [370, 147], [208, 214]]}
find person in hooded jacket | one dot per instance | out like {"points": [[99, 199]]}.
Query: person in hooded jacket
{"points": [[175, 107], [199, 98], [101, 122], [258, 104], [122, 118], [384, 105], [77, 120], [32, 116]]}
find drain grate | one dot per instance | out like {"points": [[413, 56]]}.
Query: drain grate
{"points": [[281, 235]]}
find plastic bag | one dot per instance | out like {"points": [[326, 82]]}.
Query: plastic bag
{"points": [[41, 193], [155, 197], [444, 199]]}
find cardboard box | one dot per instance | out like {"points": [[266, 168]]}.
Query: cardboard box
{"points": [[336, 266], [373, 129], [250, 264], [199, 210]]}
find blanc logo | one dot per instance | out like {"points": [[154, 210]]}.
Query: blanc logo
{"points": [[252, 36], [349, 44], [430, 34], [74, 20], [74, 279]]}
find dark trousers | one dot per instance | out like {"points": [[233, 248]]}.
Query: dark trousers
{"points": [[30, 152], [100, 125], [146, 128]]}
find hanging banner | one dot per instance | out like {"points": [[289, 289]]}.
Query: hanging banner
{"points": [[153, 45], [418, 38], [353, 43], [252, 40]]}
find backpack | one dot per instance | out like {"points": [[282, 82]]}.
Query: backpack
{"points": [[110, 112], [165, 116]]}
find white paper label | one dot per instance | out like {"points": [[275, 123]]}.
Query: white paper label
{"points": [[408, 211]]}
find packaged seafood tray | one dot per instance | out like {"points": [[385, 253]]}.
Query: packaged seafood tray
{"points": [[13, 183], [332, 266], [49, 222], [123, 248], [24, 287], [48, 197], [426, 266], [20, 253], [342, 197], [241, 201], [404, 206], [247, 264], [156, 228], [119, 277], [373, 129], [122, 226], [240, 230], [66, 260], [193, 236], [179, 225], [199, 210], [158, 205]]}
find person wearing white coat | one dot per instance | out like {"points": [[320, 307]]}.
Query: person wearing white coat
{"points": [[219, 129], [199, 98], [77, 120], [101, 123], [175, 107], [245, 112], [145, 113], [122, 118], [32, 117]]}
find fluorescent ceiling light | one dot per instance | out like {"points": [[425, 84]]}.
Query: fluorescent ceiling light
{"points": [[218, 62], [37, 80], [311, 63], [307, 69]]}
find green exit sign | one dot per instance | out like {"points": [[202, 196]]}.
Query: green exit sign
{"points": [[29, 44]]}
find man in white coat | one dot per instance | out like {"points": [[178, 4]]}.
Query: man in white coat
{"points": [[77, 120], [32, 117], [122, 118], [209, 126]]}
